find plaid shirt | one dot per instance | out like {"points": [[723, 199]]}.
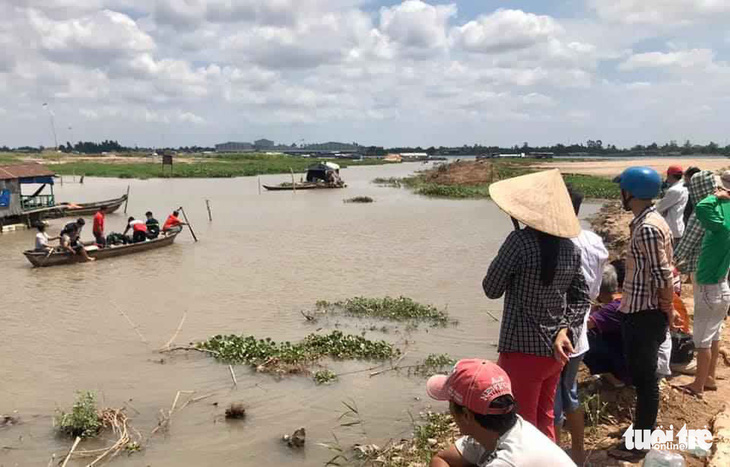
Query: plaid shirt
{"points": [[687, 252], [534, 313], [649, 262]]}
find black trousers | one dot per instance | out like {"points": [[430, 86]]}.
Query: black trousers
{"points": [[139, 236], [643, 332]]}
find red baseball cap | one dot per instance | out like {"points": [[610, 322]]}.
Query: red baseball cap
{"points": [[675, 170], [474, 384]]}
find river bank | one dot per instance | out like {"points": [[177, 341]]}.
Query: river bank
{"points": [[471, 179], [135, 166]]}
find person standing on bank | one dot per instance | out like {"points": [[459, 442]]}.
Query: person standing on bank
{"points": [[568, 410], [538, 270], [711, 291], [647, 294], [672, 205]]}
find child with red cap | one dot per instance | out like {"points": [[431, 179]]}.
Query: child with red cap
{"points": [[480, 400]]}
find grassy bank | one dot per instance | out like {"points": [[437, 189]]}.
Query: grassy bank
{"points": [[471, 180], [214, 166]]}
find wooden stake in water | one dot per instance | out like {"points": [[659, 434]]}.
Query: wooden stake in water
{"points": [[293, 185], [190, 227], [126, 201], [207, 205], [259, 185]]}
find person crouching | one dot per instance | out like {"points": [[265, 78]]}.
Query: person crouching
{"points": [[139, 230], [481, 402]]}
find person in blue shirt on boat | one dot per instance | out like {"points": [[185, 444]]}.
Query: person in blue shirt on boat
{"points": [[153, 226]]}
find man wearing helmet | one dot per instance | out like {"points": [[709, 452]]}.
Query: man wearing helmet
{"points": [[647, 293]]}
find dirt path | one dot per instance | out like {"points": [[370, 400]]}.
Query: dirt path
{"points": [[611, 168]]}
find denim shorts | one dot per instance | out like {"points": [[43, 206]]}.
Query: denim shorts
{"points": [[566, 394]]}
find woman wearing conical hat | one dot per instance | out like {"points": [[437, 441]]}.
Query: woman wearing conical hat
{"points": [[538, 270]]}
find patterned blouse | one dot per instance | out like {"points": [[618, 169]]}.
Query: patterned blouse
{"points": [[533, 312]]}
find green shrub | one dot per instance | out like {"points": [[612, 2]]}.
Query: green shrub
{"points": [[83, 420]]}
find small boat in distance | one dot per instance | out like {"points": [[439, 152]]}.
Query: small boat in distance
{"points": [[321, 176], [88, 209], [42, 259], [303, 186]]}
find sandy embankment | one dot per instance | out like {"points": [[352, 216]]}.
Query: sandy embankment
{"points": [[611, 168]]}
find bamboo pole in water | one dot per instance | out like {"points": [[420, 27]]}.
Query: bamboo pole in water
{"points": [[293, 184], [126, 201], [185, 216], [207, 205]]}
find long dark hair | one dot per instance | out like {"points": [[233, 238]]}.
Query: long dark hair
{"points": [[549, 253]]}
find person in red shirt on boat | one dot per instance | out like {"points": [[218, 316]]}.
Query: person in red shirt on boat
{"points": [[98, 228], [172, 221], [139, 230]]}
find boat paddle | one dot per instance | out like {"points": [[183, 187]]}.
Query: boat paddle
{"points": [[188, 223]]}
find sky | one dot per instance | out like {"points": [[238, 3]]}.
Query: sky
{"points": [[377, 72]]}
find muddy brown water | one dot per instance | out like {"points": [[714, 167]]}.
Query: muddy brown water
{"points": [[262, 260]]}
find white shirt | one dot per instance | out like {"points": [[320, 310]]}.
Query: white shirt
{"points": [[671, 207], [41, 241], [593, 257], [522, 446]]}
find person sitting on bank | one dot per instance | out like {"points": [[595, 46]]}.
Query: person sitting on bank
{"points": [[172, 221], [71, 239], [605, 356], [481, 402], [139, 230], [153, 226], [42, 239], [98, 228]]}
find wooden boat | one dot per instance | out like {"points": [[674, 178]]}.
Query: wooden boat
{"points": [[304, 186], [87, 209], [42, 259]]}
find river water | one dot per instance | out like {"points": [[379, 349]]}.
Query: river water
{"points": [[262, 259]]}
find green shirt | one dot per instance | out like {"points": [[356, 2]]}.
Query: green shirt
{"points": [[714, 215]]}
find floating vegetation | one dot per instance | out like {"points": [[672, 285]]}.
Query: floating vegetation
{"points": [[83, 420], [388, 308], [325, 376], [359, 199], [392, 182], [287, 357], [435, 364]]}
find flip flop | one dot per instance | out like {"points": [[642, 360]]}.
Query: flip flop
{"points": [[688, 390]]}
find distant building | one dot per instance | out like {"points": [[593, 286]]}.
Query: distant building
{"points": [[234, 147], [333, 146], [263, 144], [12, 201]]}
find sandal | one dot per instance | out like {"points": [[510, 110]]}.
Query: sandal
{"points": [[688, 390]]}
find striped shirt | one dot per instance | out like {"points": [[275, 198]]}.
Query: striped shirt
{"points": [[648, 265], [533, 312], [687, 252]]}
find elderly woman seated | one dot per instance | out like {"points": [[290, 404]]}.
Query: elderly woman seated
{"points": [[606, 356]]}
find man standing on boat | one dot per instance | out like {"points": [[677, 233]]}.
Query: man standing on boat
{"points": [[98, 228]]}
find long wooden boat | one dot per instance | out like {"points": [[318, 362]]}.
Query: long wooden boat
{"points": [[304, 186], [87, 209], [41, 259], [76, 209]]}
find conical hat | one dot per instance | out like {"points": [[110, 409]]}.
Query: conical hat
{"points": [[539, 200]]}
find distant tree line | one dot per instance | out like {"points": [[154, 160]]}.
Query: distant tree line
{"points": [[590, 147]]}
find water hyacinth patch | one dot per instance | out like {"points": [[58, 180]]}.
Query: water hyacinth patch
{"points": [[83, 420], [388, 308], [268, 355]]}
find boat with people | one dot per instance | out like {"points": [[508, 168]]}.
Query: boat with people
{"points": [[321, 176], [55, 257]]}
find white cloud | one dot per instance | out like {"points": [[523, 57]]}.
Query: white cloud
{"points": [[659, 12], [506, 30], [189, 117], [417, 26], [695, 58]]}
